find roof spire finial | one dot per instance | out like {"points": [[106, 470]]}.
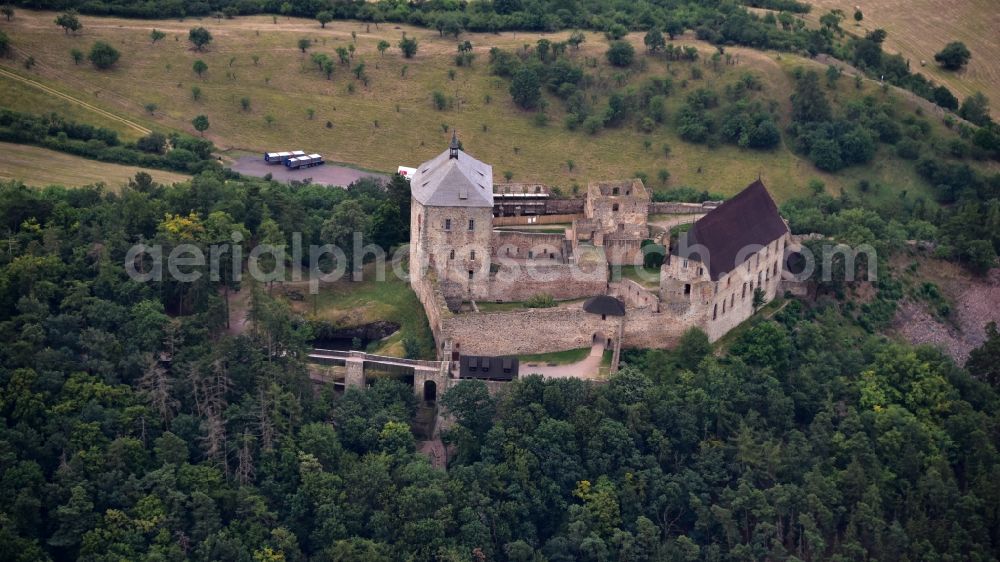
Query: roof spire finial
{"points": [[453, 148]]}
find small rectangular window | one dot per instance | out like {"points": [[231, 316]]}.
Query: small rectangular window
{"points": [[472, 224], [471, 274], [447, 224], [472, 255]]}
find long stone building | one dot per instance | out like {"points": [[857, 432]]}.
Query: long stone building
{"points": [[460, 266]]}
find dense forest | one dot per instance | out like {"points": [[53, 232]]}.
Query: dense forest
{"points": [[134, 428]]}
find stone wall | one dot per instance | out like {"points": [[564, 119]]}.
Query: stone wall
{"points": [[541, 330], [522, 279], [611, 211], [528, 245], [432, 299], [623, 251], [547, 330], [564, 206], [672, 208], [634, 295], [536, 219]]}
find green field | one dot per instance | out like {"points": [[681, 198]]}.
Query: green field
{"points": [[917, 29], [41, 167], [392, 120]]}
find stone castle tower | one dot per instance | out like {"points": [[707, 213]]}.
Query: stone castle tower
{"points": [[451, 222]]}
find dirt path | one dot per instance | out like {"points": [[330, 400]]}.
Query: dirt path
{"points": [[17, 77], [434, 450], [239, 311], [588, 368]]}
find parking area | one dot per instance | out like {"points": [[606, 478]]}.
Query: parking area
{"points": [[327, 174]]}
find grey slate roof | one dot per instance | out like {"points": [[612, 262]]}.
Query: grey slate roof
{"points": [[453, 182]]}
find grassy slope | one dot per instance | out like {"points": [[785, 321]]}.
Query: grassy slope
{"points": [[920, 28], [346, 303], [26, 98], [41, 167], [162, 74]]}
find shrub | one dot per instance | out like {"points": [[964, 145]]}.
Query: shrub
{"points": [[620, 53], [540, 301], [103, 56]]}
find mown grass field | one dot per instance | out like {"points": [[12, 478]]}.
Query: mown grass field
{"points": [[392, 121], [920, 28], [41, 167]]}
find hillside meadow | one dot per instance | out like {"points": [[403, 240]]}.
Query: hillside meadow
{"points": [[392, 120], [41, 167], [917, 29]]}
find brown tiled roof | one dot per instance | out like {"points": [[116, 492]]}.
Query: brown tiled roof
{"points": [[749, 218]]}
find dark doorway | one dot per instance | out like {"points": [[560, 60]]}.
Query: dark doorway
{"points": [[430, 391]]}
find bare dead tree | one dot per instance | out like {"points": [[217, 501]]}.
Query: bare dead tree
{"points": [[244, 459], [155, 383]]}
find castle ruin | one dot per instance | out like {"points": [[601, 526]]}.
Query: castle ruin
{"points": [[461, 265]]}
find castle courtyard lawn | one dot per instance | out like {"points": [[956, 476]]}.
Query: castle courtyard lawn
{"points": [[556, 357]]}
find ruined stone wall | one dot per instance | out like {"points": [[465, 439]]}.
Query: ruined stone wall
{"points": [[564, 206], [536, 219], [520, 280], [528, 245], [634, 295], [623, 252]]}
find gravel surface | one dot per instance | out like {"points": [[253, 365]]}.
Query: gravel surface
{"points": [[327, 174], [976, 304]]}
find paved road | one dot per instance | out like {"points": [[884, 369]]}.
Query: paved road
{"points": [[588, 368], [327, 174]]}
